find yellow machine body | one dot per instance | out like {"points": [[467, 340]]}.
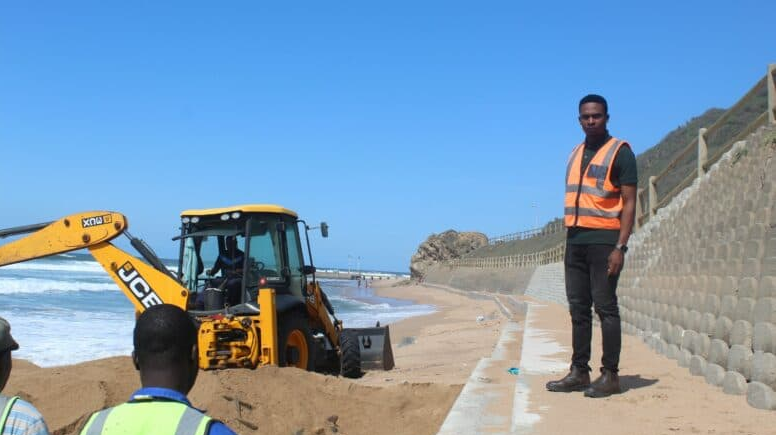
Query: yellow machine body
{"points": [[281, 317]]}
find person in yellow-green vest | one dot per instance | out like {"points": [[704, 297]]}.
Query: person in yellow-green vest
{"points": [[17, 417], [165, 340]]}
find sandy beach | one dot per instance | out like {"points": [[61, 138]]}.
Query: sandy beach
{"points": [[434, 355]]}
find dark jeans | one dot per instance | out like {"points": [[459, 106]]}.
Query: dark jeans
{"points": [[587, 283]]}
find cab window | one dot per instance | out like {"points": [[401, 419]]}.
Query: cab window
{"points": [[264, 256], [296, 277]]}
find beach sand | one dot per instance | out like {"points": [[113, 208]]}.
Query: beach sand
{"points": [[659, 396], [434, 356]]}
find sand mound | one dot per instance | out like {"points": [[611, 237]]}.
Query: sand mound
{"points": [[267, 400], [434, 355], [66, 396]]}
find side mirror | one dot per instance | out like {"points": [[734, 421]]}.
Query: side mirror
{"points": [[308, 270], [324, 230]]}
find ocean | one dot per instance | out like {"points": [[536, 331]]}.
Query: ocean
{"points": [[65, 309]]}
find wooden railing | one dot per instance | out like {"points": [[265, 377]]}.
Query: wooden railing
{"points": [[551, 228], [548, 256], [699, 144]]}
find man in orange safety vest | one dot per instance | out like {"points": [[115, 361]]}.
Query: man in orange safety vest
{"points": [[599, 205]]}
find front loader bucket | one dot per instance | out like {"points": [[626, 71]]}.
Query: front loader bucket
{"points": [[375, 348]]}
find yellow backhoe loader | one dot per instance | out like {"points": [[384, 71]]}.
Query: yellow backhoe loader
{"points": [[241, 276]]}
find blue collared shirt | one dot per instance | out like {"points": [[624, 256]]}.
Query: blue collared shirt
{"points": [[24, 419], [216, 428]]}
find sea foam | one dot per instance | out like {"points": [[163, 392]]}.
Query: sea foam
{"points": [[39, 285]]}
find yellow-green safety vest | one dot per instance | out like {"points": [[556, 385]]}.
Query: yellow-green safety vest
{"points": [[6, 403], [147, 417]]}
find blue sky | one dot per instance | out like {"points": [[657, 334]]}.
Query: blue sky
{"points": [[389, 120]]}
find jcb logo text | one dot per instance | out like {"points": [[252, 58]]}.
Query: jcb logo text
{"points": [[138, 286]]}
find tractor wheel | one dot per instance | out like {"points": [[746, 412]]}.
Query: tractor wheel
{"points": [[350, 355], [295, 344]]}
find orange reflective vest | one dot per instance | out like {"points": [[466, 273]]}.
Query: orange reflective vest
{"points": [[591, 200]]}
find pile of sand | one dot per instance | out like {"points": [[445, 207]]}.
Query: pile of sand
{"points": [[434, 356], [268, 400]]}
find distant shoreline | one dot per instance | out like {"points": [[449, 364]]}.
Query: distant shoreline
{"points": [[375, 276]]}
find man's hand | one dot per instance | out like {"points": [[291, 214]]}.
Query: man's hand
{"points": [[614, 262]]}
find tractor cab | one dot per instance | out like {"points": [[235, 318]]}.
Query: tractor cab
{"points": [[228, 254]]}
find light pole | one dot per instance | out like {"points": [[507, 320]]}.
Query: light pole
{"points": [[349, 265], [358, 266]]}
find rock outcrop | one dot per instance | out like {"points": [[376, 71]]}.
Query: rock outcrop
{"points": [[444, 246]]}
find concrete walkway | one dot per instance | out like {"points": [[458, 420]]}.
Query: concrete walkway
{"points": [[496, 397], [658, 395]]}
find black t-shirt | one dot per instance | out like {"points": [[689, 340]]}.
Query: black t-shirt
{"points": [[624, 171]]}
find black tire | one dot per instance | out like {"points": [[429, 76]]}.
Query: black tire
{"points": [[350, 355], [296, 347]]}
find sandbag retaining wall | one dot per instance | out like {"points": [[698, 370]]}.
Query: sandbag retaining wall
{"points": [[699, 283]]}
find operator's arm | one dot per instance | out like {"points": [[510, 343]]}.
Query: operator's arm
{"points": [[239, 266], [216, 267]]}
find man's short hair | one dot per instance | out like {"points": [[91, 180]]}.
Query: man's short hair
{"points": [[593, 98], [164, 334]]}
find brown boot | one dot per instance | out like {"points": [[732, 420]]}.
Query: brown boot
{"points": [[577, 380], [606, 384]]}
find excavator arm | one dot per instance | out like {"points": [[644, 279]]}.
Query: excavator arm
{"points": [[143, 284], [245, 337]]}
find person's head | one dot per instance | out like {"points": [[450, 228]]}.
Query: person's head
{"points": [[593, 115], [165, 341], [7, 345]]}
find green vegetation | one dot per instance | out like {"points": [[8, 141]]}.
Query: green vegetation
{"points": [[659, 157]]}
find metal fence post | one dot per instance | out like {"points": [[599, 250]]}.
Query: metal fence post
{"points": [[652, 197], [638, 211], [702, 154], [770, 78]]}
